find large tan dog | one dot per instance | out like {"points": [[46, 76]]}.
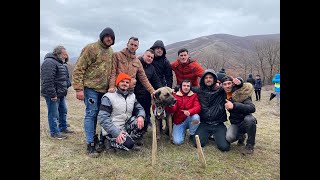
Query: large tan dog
{"points": [[162, 97]]}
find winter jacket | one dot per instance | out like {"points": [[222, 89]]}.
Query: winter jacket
{"points": [[189, 102], [242, 103], [116, 109], [128, 63], [276, 81], [251, 80], [162, 66], [140, 91], [190, 70], [54, 77], [93, 68], [258, 84]]}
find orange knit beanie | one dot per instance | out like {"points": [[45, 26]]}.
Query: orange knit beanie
{"points": [[121, 77]]}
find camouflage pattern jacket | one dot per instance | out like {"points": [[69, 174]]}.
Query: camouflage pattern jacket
{"points": [[93, 68], [128, 63]]}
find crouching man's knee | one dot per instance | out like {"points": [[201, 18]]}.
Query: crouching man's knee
{"points": [[224, 147]]}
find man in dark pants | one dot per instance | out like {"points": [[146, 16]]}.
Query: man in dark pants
{"points": [[257, 87], [213, 114], [240, 106]]}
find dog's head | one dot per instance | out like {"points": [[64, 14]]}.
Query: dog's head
{"points": [[164, 96]]}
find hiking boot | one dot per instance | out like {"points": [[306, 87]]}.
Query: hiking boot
{"points": [[66, 131], [248, 149], [138, 142], [101, 147], [91, 150], [59, 136], [241, 140]]}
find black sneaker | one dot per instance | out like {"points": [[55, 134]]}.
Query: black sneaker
{"points": [[67, 131], [59, 136], [241, 140], [248, 149], [101, 147], [91, 150]]}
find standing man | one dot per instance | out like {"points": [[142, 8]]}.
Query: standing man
{"points": [[185, 112], [126, 62], [257, 87], [140, 91], [251, 80], [161, 64], [240, 107], [187, 68], [54, 88], [213, 113], [90, 80], [121, 116]]}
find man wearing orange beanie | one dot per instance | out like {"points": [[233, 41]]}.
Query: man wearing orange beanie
{"points": [[120, 125]]}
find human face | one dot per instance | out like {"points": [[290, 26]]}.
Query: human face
{"points": [[158, 51], [107, 40], [227, 86], [185, 87], [208, 80], [148, 57], [132, 46], [257, 77], [63, 55], [183, 57], [124, 85]]}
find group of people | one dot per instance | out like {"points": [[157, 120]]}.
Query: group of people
{"points": [[117, 89]]}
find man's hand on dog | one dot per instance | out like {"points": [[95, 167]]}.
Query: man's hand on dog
{"points": [[121, 138], [140, 122], [186, 112]]}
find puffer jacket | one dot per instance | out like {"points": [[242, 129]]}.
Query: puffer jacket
{"points": [[128, 63], [190, 70], [242, 103], [189, 102], [54, 77]]}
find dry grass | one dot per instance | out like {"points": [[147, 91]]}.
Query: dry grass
{"points": [[67, 159]]}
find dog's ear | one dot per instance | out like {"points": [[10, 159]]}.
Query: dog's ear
{"points": [[157, 94]]}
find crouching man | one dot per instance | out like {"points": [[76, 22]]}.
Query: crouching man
{"points": [[240, 107], [119, 125]]}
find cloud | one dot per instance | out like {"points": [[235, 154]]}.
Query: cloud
{"points": [[75, 23]]}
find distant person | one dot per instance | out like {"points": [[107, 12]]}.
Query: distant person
{"points": [[257, 87], [121, 116], [142, 95], [126, 62], [276, 81], [162, 64], [240, 107], [90, 80], [54, 88], [186, 67], [251, 79], [185, 113], [221, 74]]}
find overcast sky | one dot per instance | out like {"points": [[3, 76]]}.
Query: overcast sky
{"points": [[75, 23]]}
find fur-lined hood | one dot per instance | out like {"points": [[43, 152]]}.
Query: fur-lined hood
{"points": [[243, 93]]}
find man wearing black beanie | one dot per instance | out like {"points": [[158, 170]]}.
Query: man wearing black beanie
{"points": [[90, 80]]}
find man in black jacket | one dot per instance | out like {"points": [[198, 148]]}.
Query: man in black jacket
{"points": [[54, 87], [213, 114], [142, 95], [240, 106]]}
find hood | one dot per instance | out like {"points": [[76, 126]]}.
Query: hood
{"points": [[250, 75], [243, 93], [107, 31], [159, 43], [207, 71]]}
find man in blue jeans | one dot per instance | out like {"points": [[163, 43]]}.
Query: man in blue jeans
{"points": [[185, 112], [54, 88], [90, 79]]}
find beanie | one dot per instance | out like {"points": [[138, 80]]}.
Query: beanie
{"points": [[226, 78], [121, 77], [107, 31]]}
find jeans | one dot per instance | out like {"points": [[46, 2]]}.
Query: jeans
{"points": [[218, 130], [248, 125], [57, 115], [178, 131], [92, 101]]}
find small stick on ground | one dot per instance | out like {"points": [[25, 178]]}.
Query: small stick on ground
{"points": [[200, 152]]}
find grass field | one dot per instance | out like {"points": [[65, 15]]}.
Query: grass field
{"points": [[67, 159]]}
